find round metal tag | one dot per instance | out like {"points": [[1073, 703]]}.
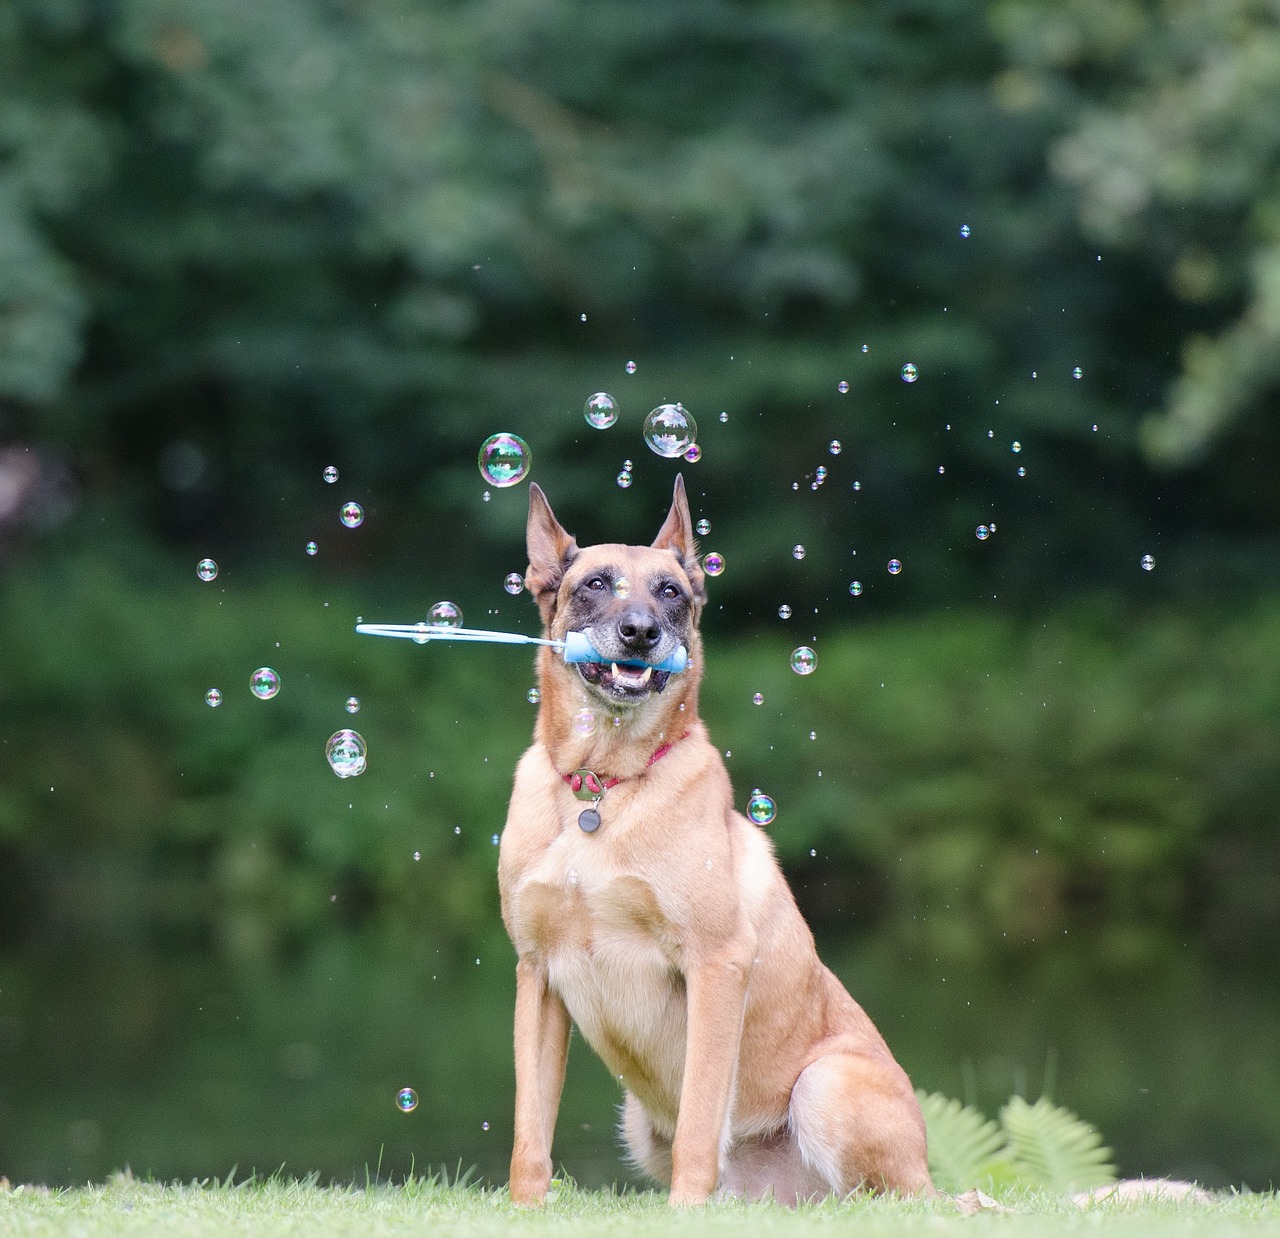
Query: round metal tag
{"points": [[589, 820], [585, 785]]}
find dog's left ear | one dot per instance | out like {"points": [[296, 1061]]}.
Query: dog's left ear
{"points": [[676, 535]]}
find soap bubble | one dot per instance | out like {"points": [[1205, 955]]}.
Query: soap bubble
{"points": [[406, 1100], [1077, 373], [803, 660], [761, 807], [909, 373], [352, 515], [1022, 472], [1015, 446], [504, 459], [842, 387], [857, 485], [445, 615], [784, 611], [855, 587], [669, 430], [866, 348], [601, 410], [624, 479], [693, 453], [264, 683], [421, 633], [964, 231], [712, 563], [330, 474], [758, 699], [626, 464], [213, 697], [1148, 562], [533, 696], [513, 583], [206, 569], [797, 551], [630, 367], [724, 417], [894, 567], [352, 705], [982, 533], [584, 723], [622, 587], [703, 527], [835, 447], [312, 548], [345, 753]]}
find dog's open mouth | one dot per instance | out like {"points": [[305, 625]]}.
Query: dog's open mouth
{"points": [[626, 681]]}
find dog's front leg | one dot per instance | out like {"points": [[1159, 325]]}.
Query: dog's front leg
{"points": [[716, 991], [542, 1047]]}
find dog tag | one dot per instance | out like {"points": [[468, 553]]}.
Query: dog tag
{"points": [[589, 820], [586, 785]]}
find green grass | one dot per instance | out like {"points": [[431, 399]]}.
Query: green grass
{"points": [[434, 1205]]}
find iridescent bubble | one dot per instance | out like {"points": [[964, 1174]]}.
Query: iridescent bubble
{"points": [[724, 417], [630, 367], [982, 533], [421, 633], [835, 447], [513, 583], [330, 474], [693, 453], [264, 683], [445, 615], [352, 705], [1015, 446], [703, 527], [584, 723], [624, 479], [206, 569], [820, 474], [1148, 562], [784, 611], [964, 231], [669, 431], [865, 348], [758, 699], [797, 551], [601, 410], [894, 567], [842, 387], [352, 515], [857, 485], [345, 753], [803, 660], [533, 696], [761, 807], [626, 464], [909, 373], [406, 1100], [1022, 472], [942, 468], [504, 459], [855, 587], [622, 587], [312, 548], [485, 497], [1077, 373], [712, 563], [213, 697]]}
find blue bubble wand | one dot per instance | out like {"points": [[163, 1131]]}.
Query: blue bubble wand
{"points": [[576, 646]]}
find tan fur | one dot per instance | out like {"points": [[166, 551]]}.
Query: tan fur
{"points": [[670, 937]]}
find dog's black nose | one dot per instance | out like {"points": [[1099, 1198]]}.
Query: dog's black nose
{"points": [[639, 630]]}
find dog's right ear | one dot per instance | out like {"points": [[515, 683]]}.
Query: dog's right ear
{"points": [[551, 550]]}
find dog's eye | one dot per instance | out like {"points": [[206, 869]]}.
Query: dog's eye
{"points": [[670, 591], [596, 582]]}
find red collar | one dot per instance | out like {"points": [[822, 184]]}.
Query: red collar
{"points": [[581, 777]]}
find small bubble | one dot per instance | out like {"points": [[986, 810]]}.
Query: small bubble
{"points": [[485, 497], [803, 660], [797, 551], [784, 611], [964, 231], [724, 417], [206, 569], [1077, 373], [494, 840], [1148, 562], [842, 387], [820, 474], [601, 410], [582, 318], [1022, 472], [264, 683], [406, 1100], [626, 464], [855, 587], [352, 705], [622, 587], [669, 431], [346, 753], [417, 855], [630, 367], [504, 459], [1015, 446], [835, 447], [693, 453], [513, 583], [865, 348], [761, 808], [445, 615], [352, 515], [909, 373], [758, 699], [421, 633], [624, 479], [942, 468], [894, 567], [533, 696], [857, 485], [813, 734], [703, 527], [713, 563], [213, 697], [982, 533], [312, 548], [484, 1126], [584, 723], [330, 474]]}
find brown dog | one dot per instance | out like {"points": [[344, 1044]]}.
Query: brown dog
{"points": [[657, 919]]}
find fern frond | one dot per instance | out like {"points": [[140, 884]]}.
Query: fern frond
{"points": [[966, 1148], [1051, 1148]]}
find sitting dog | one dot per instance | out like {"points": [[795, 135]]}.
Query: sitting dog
{"points": [[649, 911]]}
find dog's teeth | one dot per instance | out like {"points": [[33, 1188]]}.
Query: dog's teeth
{"points": [[615, 670], [648, 672]]}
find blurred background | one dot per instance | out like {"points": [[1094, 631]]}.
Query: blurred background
{"points": [[1027, 799]]}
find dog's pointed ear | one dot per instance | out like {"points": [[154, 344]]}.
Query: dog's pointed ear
{"points": [[551, 550], [676, 535]]}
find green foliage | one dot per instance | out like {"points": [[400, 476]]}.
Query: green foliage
{"points": [[1036, 1147]]}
